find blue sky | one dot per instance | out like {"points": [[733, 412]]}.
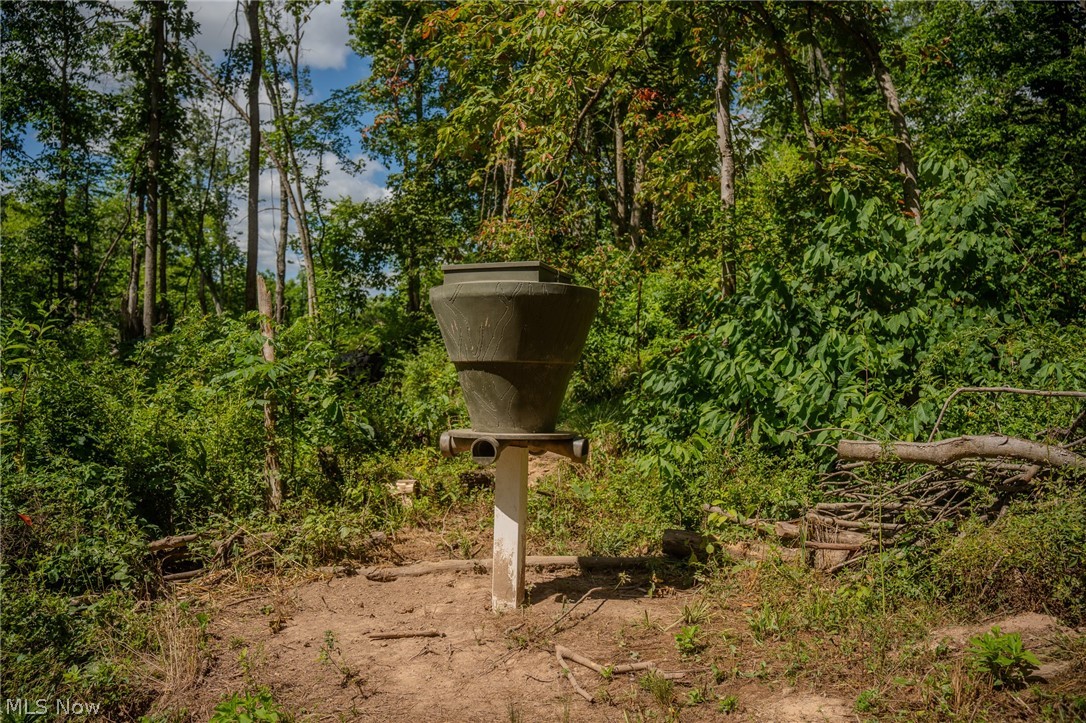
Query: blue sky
{"points": [[332, 65]]}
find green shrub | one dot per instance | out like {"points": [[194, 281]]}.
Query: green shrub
{"points": [[1033, 558], [248, 708], [1002, 657]]}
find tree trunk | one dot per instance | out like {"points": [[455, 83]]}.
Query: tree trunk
{"points": [[252, 10], [131, 326], [622, 205], [281, 253], [637, 205], [163, 260], [722, 102], [271, 452], [158, 29]]}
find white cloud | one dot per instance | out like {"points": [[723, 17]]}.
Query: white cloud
{"points": [[368, 185], [324, 42]]}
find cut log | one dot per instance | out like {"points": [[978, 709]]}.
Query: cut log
{"points": [[386, 574], [404, 490], [172, 542], [992, 446], [684, 543]]}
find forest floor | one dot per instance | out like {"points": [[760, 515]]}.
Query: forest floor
{"points": [[306, 638]]}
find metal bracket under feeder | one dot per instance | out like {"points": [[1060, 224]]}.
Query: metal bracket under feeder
{"points": [[510, 451], [486, 447]]}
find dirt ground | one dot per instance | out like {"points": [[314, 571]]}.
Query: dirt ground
{"points": [[310, 645], [310, 641]]}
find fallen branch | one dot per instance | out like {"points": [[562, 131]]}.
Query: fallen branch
{"points": [[386, 574], [222, 551], [573, 607], [172, 542], [947, 451], [606, 671], [568, 672], [183, 576], [408, 634], [999, 390]]}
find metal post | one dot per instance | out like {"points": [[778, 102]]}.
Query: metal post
{"points": [[510, 519]]}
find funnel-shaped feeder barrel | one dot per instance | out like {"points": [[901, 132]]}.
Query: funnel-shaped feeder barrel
{"points": [[514, 331]]}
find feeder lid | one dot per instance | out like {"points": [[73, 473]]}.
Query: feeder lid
{"points": [[505, 271]]}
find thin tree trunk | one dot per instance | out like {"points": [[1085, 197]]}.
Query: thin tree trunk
{"points": [[281, 253], [622, 205], [272, 84], [158, 29], [509, 170], [163, 260], [300, 217], [284, 165], [722, 101], [271, 452], [637, 206], [252, 10], [131, 324]]}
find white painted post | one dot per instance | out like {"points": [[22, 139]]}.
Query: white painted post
{"points": [[510, 518]]}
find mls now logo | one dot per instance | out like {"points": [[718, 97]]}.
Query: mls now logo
{"points": [[41, 706]]}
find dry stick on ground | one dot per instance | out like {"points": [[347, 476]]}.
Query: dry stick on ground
{"points": [[573, 607], [568, 671], [408, 634], [568, 654], [999, 390], [945, 452]]}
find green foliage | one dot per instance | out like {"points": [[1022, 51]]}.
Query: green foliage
{"points": [[867, 701], [753, 483], [660, 688], [248, 708], [429, 400], [688, 640], [1033, 557], [1001, 657], [728, 704], [837, 341]]}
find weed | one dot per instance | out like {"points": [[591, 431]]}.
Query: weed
{"points": [[695, 697], [1002, 658], [728, 704], [695, 613], [239, 708], [767, 623], [688, 642], [661, 689], [646, 622], [331, 654], [867, 701]]}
